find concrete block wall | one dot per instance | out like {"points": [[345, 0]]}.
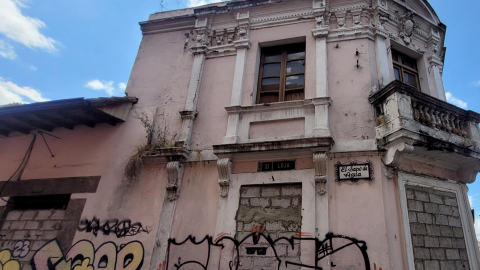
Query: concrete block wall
{"points": [[24, 232], [436, 230], [275, 211]]}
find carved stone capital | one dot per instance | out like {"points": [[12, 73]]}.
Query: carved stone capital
{"points": [[396, 152], [175, 174], [320, 165], [188, 115], [320, 32], [224, 167], [242, 43]]}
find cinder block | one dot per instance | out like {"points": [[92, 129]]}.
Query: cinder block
{"points": [[421, 253], [6, 235], [410, 194], [458, 232], [424, 218], [292, 191], [270, 191], [28, 215], [458, 243], [431, 241], [49, 235], [437, 253], [415, 206], [283, 203], [432, 265], [418, 241], [263, 202], [452, 254], [445, 210], [17, 225], [433, 230], [32, 225], [295, 202], [447, 265], [445, 242], [43, 214], [463, 254], [14, 215], [412, 217], [462, 265], [451, 201], [446, 231], [20, 235], [274, 226], [455, 212], [435, 198], [441, 220], [245, 202], [58, 214], [6, 225], [421, 196], [248, 192], [419, 265], [431, 208], [239, 226], [36, 245], [454, 222], [416, 228]]}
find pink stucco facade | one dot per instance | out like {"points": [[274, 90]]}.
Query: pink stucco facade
{"points": [[364, 172]]}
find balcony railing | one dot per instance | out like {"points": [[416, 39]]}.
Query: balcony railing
{"points": [[403, 111]]}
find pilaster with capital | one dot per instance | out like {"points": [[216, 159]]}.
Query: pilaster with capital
{"points": [[224, 167]]}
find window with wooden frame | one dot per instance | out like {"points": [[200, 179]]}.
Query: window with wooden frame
{"points": [[282, 74], [405, 69]]}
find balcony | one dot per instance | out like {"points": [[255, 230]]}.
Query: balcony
{"points": [[413, 123]]}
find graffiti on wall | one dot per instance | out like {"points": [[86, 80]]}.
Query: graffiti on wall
{"points": [[83, 256], [121, 228], [261, 244]]}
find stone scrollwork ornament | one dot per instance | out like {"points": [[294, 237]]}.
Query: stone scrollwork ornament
{"points": [[407, 27], [175, 174], [320, 165], [224, 167]]}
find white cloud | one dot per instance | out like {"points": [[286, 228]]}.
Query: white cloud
{"points": [[455, 101], [32, 67], [23, 29], [100, 85], [10, 92], [477, 83], [6, 50], [195, 3], [122, 86]]}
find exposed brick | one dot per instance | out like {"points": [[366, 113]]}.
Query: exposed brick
{"points": [[28, 215], [463, 254], [458, 243], [58, 214], [6, 235], [421, 253], [415, 206], [433, 230], [292, 191], [445, 242], [270, 191], [457, 232], [295, 202], [451, 201], [441, 220], [435, 198], [250, 192], [421, 196], [447, 265], [452, 254], [424, 218], [274, 226], [431, 241], [446, 231], [283, 203], [32, 225], [43, 214], [432, 265], [19, 235], [437, 253], [455, 212], [410, 194], [416, 228], [412, 217], [287, 234], [245, 202], [419, 265], [431, 208], [6, 225], [454, 222], [14, 215], [445, 210], [263, 202], [417, 241], [17, 225], [462, 265]]}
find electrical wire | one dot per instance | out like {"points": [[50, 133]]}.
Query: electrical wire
{"points": [[21, 167]]}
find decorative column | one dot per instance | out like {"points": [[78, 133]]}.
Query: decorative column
{"points": [[190, 112], [436, 63], [321, 198], [322, 101], [381, 35], [242, 44], [175, 175]]}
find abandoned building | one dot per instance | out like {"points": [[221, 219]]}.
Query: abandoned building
{"points": [[255, 134]]}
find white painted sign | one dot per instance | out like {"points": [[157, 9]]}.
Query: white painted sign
{"points": [[347, 172]]}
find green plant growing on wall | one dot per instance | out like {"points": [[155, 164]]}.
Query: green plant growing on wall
{"points": [[158, 137]]}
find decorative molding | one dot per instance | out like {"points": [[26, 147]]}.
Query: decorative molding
{"points": [[388, 172], [320, 165], [175, 174], [340, 15], [224, 167], [396, 152], [408, 26]]}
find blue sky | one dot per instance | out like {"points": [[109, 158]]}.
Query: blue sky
{"points": [[57, 49]]}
